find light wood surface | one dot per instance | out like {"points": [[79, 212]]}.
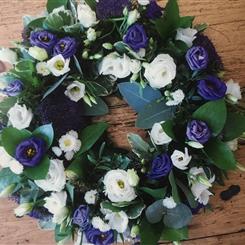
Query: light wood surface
{"points": [[224, 226]]}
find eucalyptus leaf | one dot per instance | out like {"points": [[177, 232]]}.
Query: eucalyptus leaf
{"points": [[7, 177], [154, 213], [45, 132]]}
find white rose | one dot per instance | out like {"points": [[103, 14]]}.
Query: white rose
{"points": [[7, 55], [86, 16], [23, 209], [55, 179], [58, 65], [75, 91], [161, 71], [133, 16], [118, 221], [37, 53], [158, 136], [233, 91], [90, 197], [175, 98], [91, 34], [144, 2], [98, 223], [117, 186], [187, 35], [181, 160], [19, 116], [233, 144], [56, 205], [6, 161], [169, 202], [133, 177], [42, 69]]}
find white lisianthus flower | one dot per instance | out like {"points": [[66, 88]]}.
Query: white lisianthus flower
{"points": [[169, 202], [158, 136], [58, 65], [55, 179], [70, 144], [233, 144], [23, 209], [144, 2], [9, 56], [199, 189], [75, 91], [99, 224], [6, 161], [7, 191], [42, 69], [118, 221], [37, 53], [187, 35], [133, 16], [133, 177], [91, 34], [181, 160], [161, 71], [135, 66], [90, 196], [175, 98], [233, 91], [117, 186], [56, 205], [19, 116], [86, 16]]}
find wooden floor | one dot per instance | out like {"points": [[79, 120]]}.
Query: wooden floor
{"points": [[224, 226]]}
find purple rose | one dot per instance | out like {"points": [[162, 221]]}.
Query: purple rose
{"points": [[30, 151], [136, 37], [81, 217], [153, 11], [160, 167], [66, 47], [211, 88], [198, 131], [13, 89], [43, 39], [197, 58], [97, 237]]}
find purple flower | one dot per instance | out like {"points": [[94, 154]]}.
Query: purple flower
{"points": [[97, 237], [66, 47], [160, 167], [81, 217], [211, 88], [198, 131], [13, 89], [197, 58], [40, 213], [153, 11], [136, 37], [43, 39], [30, 151]]}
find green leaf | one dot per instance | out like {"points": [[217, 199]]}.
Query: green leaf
{"points": [[46, 132], [53, 4], [78, 167], [139, 146], [91, 3], [170, 20], [37, 23], [7, 177], [168, 128], [135, 210], [234, 126], [7, 103], [90, 135], [38, 172], [155, 193], [186, 21], [154, 213], [108, 205], [11, 137], [70, 189], [220, 154], [201, 27], [177, 217], [169, 234], [175, 193], [63, 233], [98, 109], [154, 112], [214, 114]]}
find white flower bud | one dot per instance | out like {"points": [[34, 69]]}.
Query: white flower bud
{"points": [[37, 53], [135, 231], [8, 56], [23, 209], [107, 46], [133, 16], [91, 34], [7, 191], [133, 177]]}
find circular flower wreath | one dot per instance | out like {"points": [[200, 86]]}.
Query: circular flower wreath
{"points": [[58, 165]]}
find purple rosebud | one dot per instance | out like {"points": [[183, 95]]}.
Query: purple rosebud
{"points": [[198, 131], [66, 47], [81, 217], [97, 237], [13, 89], [211, 88], [153, 11], [30, 151], [43, 39], [197, 58], [160, 167], [136, 37]]}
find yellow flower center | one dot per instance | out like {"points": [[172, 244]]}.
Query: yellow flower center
{"points": [[120, 184], [67, 143], [30, 152], [59, 65]]}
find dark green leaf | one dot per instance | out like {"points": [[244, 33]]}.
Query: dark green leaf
{"points": [[70, 189], [63, 233], [186, 21], [108, 205], [37, 23], [45, 132], [220, 154], [135, 210], [175, 193], [78, 167], [169, 234], [7, 103], [155, 193], [168, 128], [214, 114], [53, 4], [91, 3], [154, 213], [98, 109]]}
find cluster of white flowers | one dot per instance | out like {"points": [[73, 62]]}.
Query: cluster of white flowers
{"points": [[90, 196], [175, 98], [168, 202]]}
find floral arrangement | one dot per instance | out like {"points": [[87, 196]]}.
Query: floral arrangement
{"points": [[61, 168]]}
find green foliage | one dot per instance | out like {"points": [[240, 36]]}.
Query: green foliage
{"points": [[46, 132], [214, 114], [154, 213], [70, 190], [6, 104], [169, 234], [7, 177], [91, 3], [186, 21], [168, 128], [155, 193], [62, 233], [135, 210], [174, 187], [36, 23], [78, 168], [53, 4], [98, 109], [220, 154]]}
